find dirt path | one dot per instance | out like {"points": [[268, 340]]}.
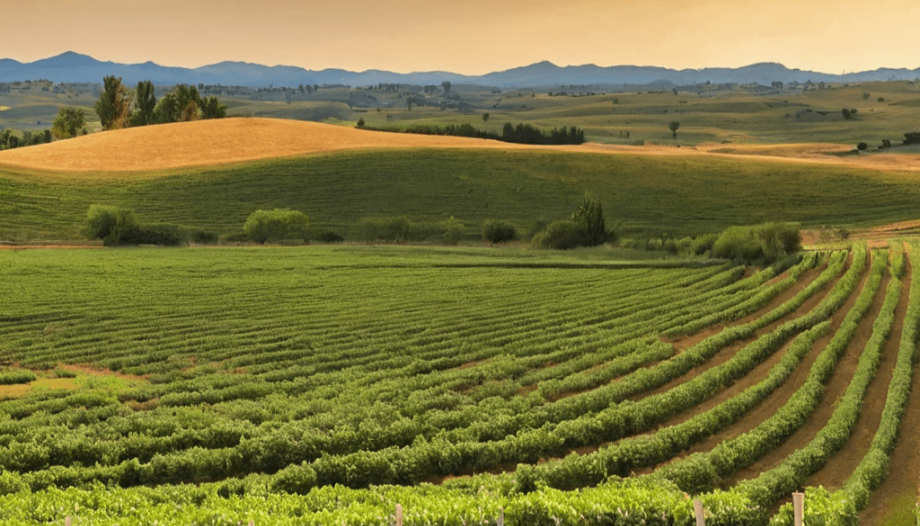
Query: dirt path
{"points": [[775, 400], [895, 498], [839, 468], [729, 351], [685, 342], [835, 387]]}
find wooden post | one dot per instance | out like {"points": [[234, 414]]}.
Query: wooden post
{"points": [[399, 515], [699, 512], [67, 521], [252, 522], [798, 508], [501, 517]]}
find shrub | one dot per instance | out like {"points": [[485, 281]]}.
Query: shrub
{"points": [[758, 244], [886, 143], [163, 235], [498, 232], [703, 244], [277, 224], [453, 231], [327, 236], [561, 235], [236, 237], [538, 226], [862, 146], [361, 122], [384, 229], [912, 138], [203, 237], [110, 224]]}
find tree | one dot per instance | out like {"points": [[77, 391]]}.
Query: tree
{"points": [[590, 217], [674, 126], [263, 225], [498, 232], [69, 122], [446, 86], [361, 122], [114, 104], [866, 96], [211, 108], [146, 103], [485, 117]]}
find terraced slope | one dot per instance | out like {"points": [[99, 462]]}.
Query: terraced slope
{"points": [[324, 385]]}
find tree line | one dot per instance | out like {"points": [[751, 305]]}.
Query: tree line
{"points": [[520, 134]]}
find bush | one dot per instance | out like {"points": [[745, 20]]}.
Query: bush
{"points": [[703, 244], [361, 122], [758, 244], [236, 237], [912, 138], [163, 235], [384, 229], [862, 146], [276, 224], [561, 235], [202, 237], [110, 224], [498, 232], [453, 231], [327, 236], [538, 226]]}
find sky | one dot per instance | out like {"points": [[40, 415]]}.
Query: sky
{"points": [[471, 37]]}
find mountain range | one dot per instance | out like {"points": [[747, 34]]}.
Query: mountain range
{"points": [[77, 68]]}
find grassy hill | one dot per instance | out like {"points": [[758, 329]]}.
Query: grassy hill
{"points": [[677, 195]]}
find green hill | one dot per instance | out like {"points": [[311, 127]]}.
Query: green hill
{"points": [[677, 195]]}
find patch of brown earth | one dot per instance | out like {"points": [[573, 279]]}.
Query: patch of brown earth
{"points": [[890, 498], [839, 467], [729, 351], [805, 279], [834, 389]]}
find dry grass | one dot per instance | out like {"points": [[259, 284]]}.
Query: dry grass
{"points": [[206, 143], [225, 141]]}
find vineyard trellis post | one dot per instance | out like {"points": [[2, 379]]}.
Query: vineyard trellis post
{"points": [[399, 518], [698, 511], [798, 508], [67, 521], [501, 517]]}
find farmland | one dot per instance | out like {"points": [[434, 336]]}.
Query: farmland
{"points": [[452, 381], [326, 384]]}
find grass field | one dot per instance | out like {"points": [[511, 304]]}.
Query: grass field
{"points": [[463, 380], [650, 195]]}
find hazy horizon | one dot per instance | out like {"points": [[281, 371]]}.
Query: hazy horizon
{"points": [[473, 39]]}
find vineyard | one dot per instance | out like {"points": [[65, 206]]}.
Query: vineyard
{"points": [[326, 385]]}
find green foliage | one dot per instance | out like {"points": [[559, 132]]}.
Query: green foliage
{"points": [[674, 126], [912, 138], [361, 122], [145, 102], [561, 235], [276, 224], [211, 108], [70, 122], [498, 232], [328, 236], [758, 244], [453, 231], [16, 376], [114, 104], [590, 217]]}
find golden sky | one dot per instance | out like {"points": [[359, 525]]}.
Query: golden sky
{"points": [[470, 36]]}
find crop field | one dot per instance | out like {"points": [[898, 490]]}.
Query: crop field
{"points": [[326, 385]]}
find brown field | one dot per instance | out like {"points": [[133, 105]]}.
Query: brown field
{"points": [[225, 141]]}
